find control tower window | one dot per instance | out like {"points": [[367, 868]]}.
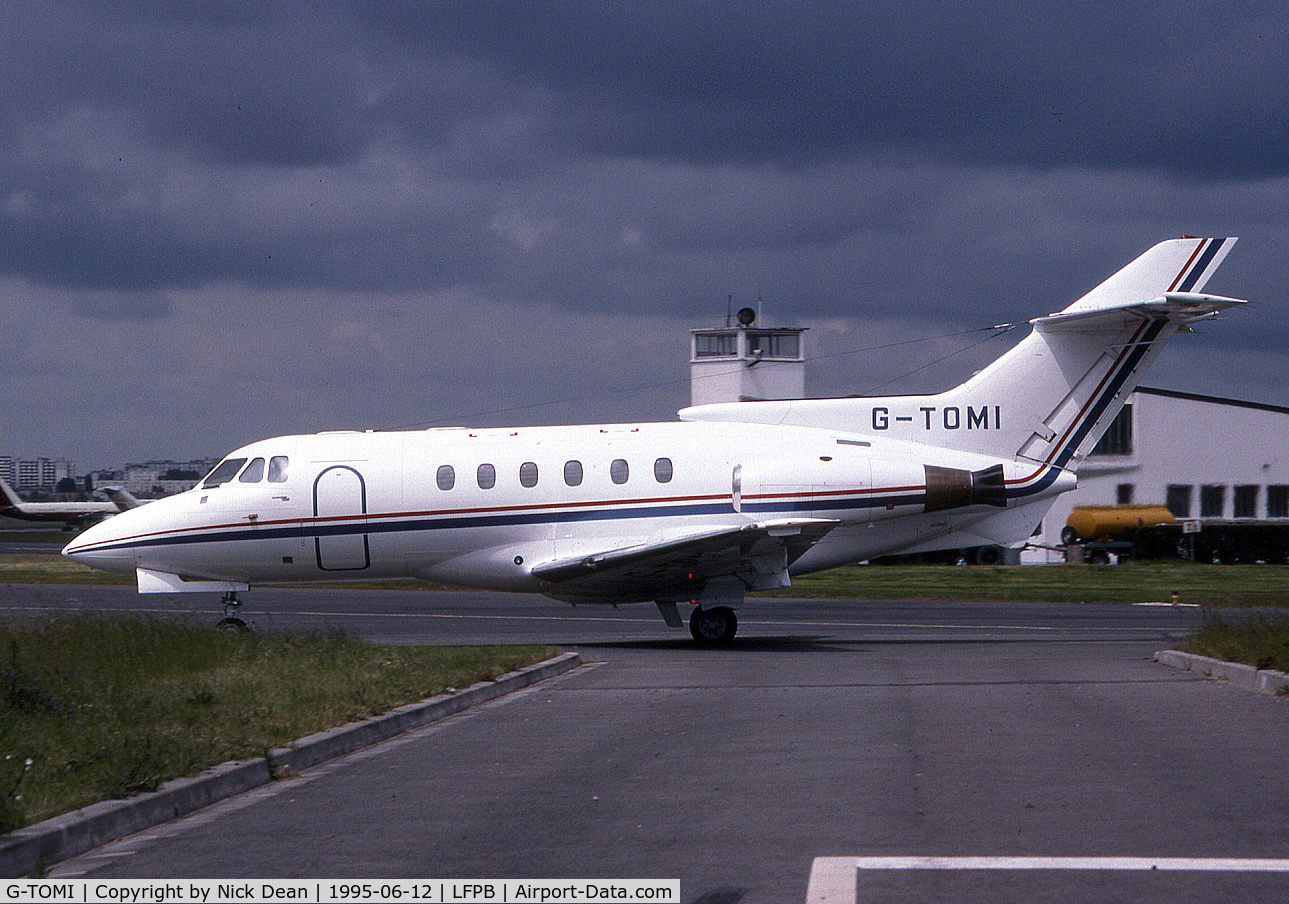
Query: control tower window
{"points": [[775, 345], [715, 345]]}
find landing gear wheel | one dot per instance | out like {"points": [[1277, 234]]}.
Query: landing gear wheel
{"points": [[230, 622], [710, 627], [1069, 536]]}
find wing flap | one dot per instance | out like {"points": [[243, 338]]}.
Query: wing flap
{"points": [[689, 556]]}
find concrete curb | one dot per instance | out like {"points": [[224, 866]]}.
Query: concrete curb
{"points": [[1267, 681], [48, 842]]}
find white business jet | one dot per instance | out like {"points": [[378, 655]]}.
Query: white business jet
{"points": [[732, 498]]}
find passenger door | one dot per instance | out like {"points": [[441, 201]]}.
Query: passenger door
{"points": [[340, 519]]}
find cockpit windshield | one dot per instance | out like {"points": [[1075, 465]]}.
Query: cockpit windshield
{"points": [[224, 472]]}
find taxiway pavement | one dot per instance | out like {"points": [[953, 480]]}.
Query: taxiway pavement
{"points": [[828, 729]]}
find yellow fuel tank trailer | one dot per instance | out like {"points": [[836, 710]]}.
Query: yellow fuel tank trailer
{"points": [[1111, 522]]}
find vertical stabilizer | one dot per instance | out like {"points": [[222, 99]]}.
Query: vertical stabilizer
{"points": [[1051, 397]]}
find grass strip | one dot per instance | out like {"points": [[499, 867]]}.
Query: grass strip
{"points": [[1260, 641], [1132, 582], [98, 708]]}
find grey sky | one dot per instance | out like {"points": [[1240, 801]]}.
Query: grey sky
{"points": [[227, 221]]}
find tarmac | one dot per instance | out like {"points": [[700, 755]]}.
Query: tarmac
{"points": [[830, 729]]}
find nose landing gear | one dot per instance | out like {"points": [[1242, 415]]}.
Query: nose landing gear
{"points": [[230, 622]]}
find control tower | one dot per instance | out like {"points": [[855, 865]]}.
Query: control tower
{"points": [[746, 363]]}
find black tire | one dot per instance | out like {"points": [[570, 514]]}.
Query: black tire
{"points": [[233, 625], [710, 627], [1097, 557], [989, 555], [1069, 536]]}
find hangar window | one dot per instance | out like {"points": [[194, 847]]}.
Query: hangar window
{"points": [[1212, 501], [278, 465], [662, 470], [1117, 440], [223, 472], [1246, 501], [254, 472], [446, 477], [618, 471], [1178, 500], [487, 477], [1278, 501], [528, 474], [573, 473]]}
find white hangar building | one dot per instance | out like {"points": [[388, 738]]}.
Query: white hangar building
{"points": [[1206, 458]]}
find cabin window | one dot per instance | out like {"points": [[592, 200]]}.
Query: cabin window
{"points": [[662, 470], [254, 472], [573, 473], [1123, 493], [446, 477], [278, 465], [618, 471], [528, 474], [223, 473], [487, 476]]}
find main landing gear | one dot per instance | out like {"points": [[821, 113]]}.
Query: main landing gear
{"points": [[711, 627], [230, 622]]}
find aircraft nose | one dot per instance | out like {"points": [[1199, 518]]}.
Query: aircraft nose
{"points": [[98, 547]]}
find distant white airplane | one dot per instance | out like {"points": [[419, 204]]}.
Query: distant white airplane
{"points": [[69, 513], [122, 498], [734, 497]]}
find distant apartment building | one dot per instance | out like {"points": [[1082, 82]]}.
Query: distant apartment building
{"points": [[35, 473], [150, 479]]}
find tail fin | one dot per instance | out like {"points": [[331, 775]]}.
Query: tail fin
{"points": [[1060, 388], [1051, 397], [8, 498]]}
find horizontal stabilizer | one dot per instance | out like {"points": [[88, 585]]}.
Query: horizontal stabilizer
{"points": [[1182, 307]]}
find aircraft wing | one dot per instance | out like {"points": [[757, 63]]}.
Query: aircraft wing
{"points": [[758, 553]]}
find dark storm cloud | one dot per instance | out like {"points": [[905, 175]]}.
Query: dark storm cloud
{"points": [[237, 83], [1185, 87]]}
